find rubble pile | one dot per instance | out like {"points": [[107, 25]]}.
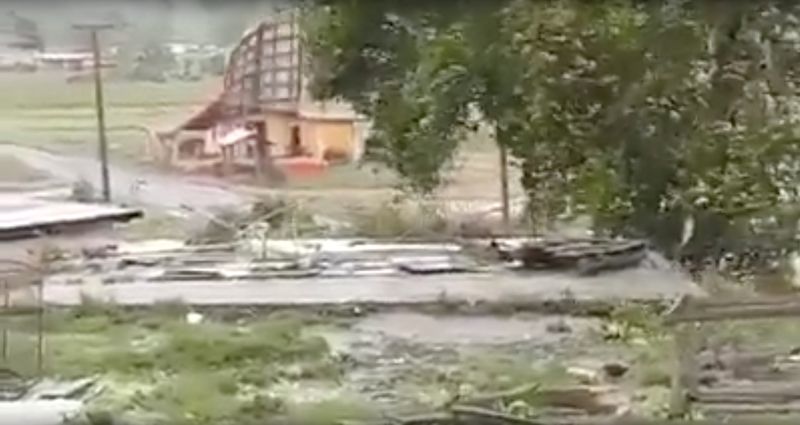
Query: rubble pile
{"points": [[42, 401], [586, 256], [309, 258]]}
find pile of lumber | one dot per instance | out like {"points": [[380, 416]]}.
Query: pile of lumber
{"points": [[554, 406], [586, 256], [12, 385]]}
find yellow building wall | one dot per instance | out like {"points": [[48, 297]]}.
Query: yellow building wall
{"points": [[309, 139], [317, 136], [338, 138], [332, 136], [279, 129]]}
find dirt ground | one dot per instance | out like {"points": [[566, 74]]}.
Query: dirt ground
{"points": [[403, 360]]}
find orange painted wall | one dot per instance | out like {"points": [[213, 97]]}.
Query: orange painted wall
{"points": [[336, 137], [316, 135]]}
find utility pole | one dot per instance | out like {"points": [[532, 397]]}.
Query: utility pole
{"points": [[255, 96], [504, 201], [94, 30]]}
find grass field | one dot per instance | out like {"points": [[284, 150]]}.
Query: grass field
{"points": [[44, 110]]}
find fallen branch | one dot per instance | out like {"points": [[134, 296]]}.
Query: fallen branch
{"points": [[485, 400], [486, 416], [438, 418], [692, 310]]}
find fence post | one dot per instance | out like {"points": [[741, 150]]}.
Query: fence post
{"points": [[684, 372], [6, 305], [40, 326]]}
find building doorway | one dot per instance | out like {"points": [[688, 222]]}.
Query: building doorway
{"points": [[295, 142]]}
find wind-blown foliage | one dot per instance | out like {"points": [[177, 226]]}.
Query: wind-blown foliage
{"points": [[645, 115]]}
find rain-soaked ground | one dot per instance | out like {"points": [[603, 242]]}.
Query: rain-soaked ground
{"points": [[406, 361]]}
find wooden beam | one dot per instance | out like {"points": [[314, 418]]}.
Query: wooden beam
{"points": [[701, 310]]}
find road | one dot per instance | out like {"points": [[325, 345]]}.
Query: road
{"points": [[159, 191], [497, 287], [164, 191]]}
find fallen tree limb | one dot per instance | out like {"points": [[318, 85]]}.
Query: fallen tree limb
{"points": [[437, 418], [520, 392], [689, 309], [471, 415], [753, 394], [486, 416]]}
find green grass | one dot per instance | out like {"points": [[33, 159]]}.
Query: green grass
{"points": [[43, 90], [392, 220], [43, 110], [215, 372], [328, 412], [489, 373]]}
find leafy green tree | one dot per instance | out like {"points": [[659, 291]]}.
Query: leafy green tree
{"points": [[645, 115]]}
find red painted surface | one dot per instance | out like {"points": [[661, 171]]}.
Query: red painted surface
{"points": [[302, 167]]}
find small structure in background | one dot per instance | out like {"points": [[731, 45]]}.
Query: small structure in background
{"points": [[19, 43], [72, 60], [265, 90]]}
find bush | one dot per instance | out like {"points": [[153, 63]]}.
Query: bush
{"points": [[83, 191], [394, 221]]}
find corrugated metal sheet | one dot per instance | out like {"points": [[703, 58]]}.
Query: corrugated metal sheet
{"points": [[23, 217]]}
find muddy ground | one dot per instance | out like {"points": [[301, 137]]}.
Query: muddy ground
{"points": [[406, 361], [388, 363]]}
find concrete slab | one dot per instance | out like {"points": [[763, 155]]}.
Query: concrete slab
{"points": [[638, 284], [22, 216]]}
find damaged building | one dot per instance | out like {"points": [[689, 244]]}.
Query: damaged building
{"points": [[264, 116]]}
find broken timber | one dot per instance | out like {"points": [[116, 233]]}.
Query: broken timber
{"points": [[586, 256], [461, 415], [753, 398], [688, 309]]}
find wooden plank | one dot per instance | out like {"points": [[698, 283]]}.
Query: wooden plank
{"points": [[755, 393], [468, 416], [737, 409], [490, 416], [737, 312], [691, 309]]}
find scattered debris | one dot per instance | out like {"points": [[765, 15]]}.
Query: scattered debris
{"points": [[102, 251], [53, 390], [615, 369], [12, 385], [584, 375], [586, 256], [431, 266], [559, 327], [44, 402], [190, 274]]}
